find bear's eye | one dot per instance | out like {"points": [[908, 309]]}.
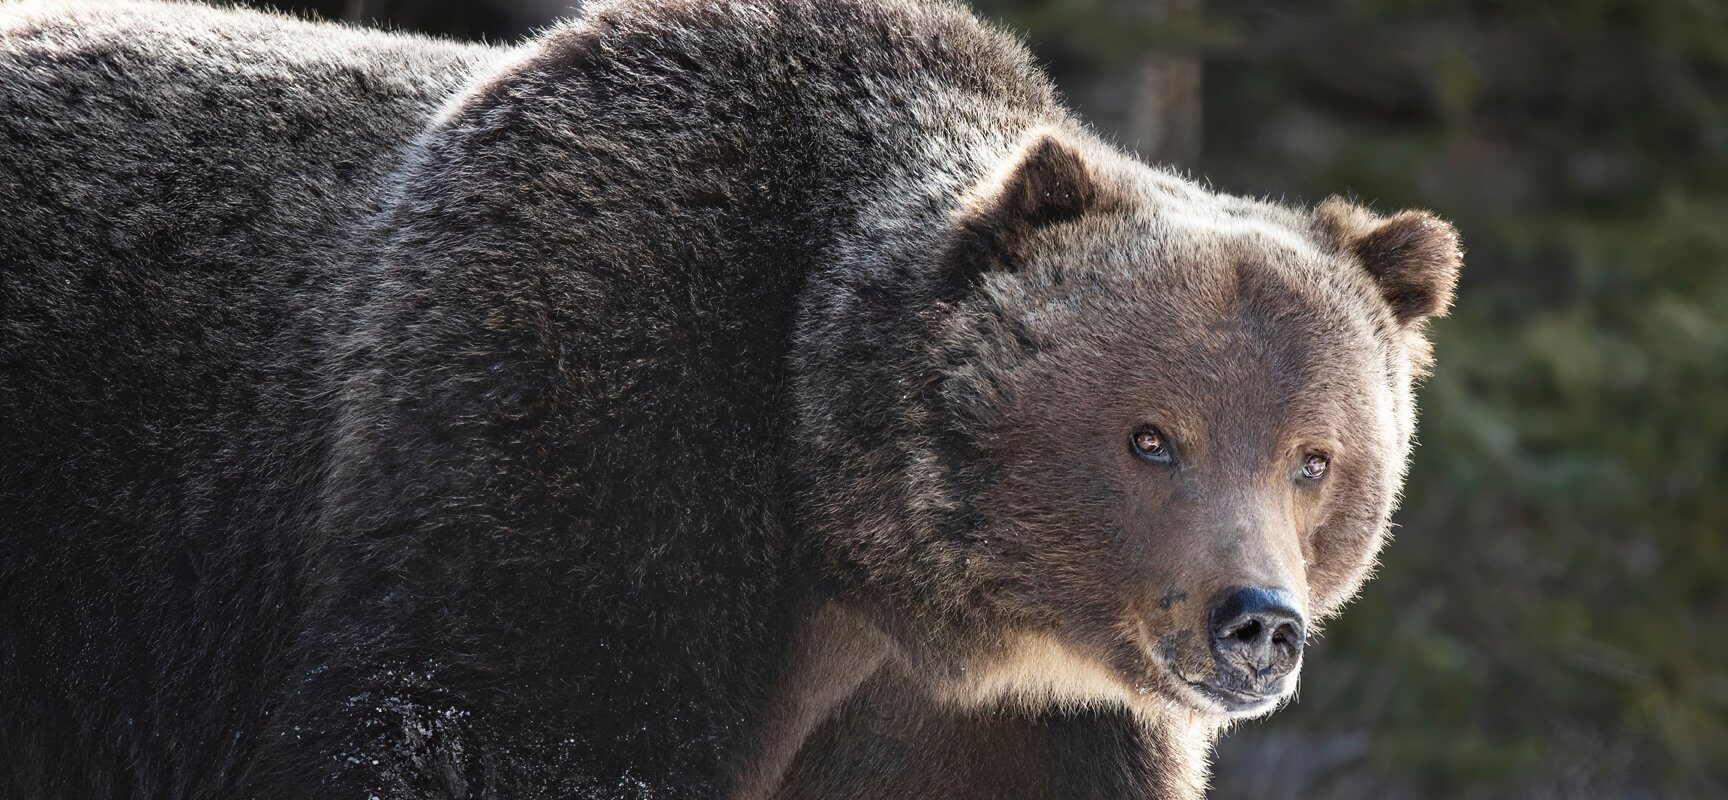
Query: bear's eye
{"points": [[1314, 466], [1149, 445]]}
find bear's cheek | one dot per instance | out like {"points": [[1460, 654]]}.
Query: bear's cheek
{"points": [[1070, 582], [1343, 547], [1114, 598], [1344, 556]]}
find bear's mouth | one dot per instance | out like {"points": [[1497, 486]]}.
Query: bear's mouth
{"points": [[1218, 695], [1233, 702]]}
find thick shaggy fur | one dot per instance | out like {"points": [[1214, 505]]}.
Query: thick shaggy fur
{"points": [[388, 417]]}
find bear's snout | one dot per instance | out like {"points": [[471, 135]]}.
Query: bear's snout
{"points": [[1257, 639]]}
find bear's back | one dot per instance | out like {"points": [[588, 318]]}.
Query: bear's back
{"points": [[174, 177], [176, 181], [143, 128]]}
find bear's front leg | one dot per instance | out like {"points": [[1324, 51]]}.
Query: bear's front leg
{"points": [[892, 741]]}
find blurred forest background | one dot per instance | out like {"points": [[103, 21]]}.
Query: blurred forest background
{"points": [[1552, 620]]}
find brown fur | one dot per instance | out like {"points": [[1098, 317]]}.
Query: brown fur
{"points": [[697, 394]]}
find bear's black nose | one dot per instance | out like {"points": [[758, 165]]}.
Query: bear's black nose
{"points": [[1257, 632]]}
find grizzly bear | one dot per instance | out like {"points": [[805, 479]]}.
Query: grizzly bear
{"points": [[700, 399]]}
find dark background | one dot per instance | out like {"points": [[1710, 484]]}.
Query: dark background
{"points": [[1552, 620]]}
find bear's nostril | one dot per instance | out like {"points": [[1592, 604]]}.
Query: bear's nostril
{"points": [[1249, 631], [1286, 634]]}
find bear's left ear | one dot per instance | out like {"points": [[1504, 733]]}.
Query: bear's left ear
{"points": [[1046, 182], [1413, 256]]}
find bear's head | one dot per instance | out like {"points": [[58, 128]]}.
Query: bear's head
{"points": [[1109, 436]]}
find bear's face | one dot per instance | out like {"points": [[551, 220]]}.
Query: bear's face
{"points": [[1132, 442], [1195, 412], [1181, 427]]}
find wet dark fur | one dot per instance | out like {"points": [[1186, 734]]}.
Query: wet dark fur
{"points": [[382, 416]]}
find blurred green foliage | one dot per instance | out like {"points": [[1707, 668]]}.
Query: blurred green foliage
{"points": [[1552, 620]]}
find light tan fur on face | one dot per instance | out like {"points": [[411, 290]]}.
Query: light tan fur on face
{"points": [[1037, 671]]}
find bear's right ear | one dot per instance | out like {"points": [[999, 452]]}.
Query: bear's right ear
{"points": [[1413, 256], [1045, 183]]}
